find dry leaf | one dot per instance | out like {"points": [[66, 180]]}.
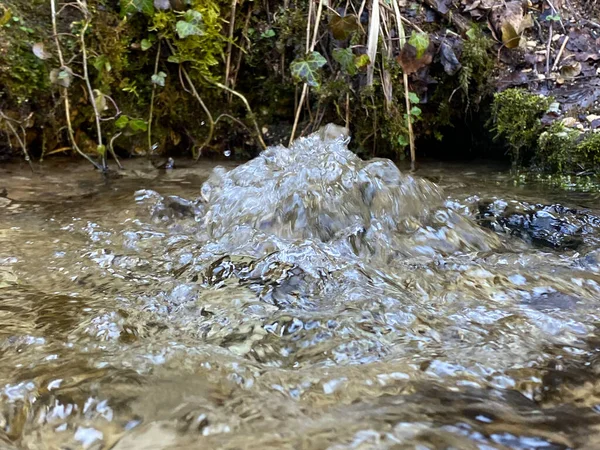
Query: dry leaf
{"points": [[570, 70], [408, 58]]}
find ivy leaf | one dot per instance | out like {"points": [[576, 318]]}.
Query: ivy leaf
{"points": [[185, 29], [306, 70], [420, 41], [268, 34], [191, 25], [138, 125], [102, 62], [101, 149], [343, 27], [159, 78], [345, 58], [137, 6], [193, 16], [362, 61], [413, 98], [402, 142], [145, 44], [122, 122], [415, 111]]}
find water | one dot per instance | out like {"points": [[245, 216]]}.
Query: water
{"points": [[303, 300]]}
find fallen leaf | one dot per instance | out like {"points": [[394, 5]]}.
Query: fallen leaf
{"points": [[408, 58], [570, 70], [569, 121]]}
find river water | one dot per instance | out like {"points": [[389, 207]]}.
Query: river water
{"points": [[303, 300]]}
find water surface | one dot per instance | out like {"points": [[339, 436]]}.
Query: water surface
{"points": [[303, 300]]}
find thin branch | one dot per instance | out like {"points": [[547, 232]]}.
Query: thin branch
{"points": [[247, 105], [22, 142], [229, 44], [411, 135], [559, 54], [211, 122], [65, 93], [101, 147], [111, 149], [309, 48], [152, 101]]}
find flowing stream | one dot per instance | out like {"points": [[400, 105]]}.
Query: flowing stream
{"points": [[306, 299]]}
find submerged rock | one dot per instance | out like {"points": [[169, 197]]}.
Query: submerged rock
{"points": [[550, 226]]}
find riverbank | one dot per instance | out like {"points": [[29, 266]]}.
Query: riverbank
{"points": [[204, 78]]}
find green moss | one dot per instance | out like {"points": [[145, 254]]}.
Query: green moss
{"points": [[589, 150], [565, 150], [477, 66], [516, 118]]}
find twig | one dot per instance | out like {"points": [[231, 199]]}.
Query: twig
{"points": [[247, 105], [22, 142], [347, 122], [372, 40], [309, 48], [298, 110], [229, 44], [411, 136], [242, 51], [556, 13], [211, 122], [548, 47], [233, 119], [152, 101], [101, 147], [111, 149], [560, 52], [65, 93]]}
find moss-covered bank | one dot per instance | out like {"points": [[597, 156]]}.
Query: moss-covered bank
{"points": [[202, 76]]}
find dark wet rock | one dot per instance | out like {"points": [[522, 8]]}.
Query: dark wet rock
{"points": [[551, 226], [166, 208]]}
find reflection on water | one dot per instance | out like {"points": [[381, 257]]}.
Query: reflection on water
{"points": [[305, 299]]}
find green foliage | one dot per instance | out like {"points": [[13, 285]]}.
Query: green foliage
{"points": [[555, 146], [129, 7], [516, 117], [477, 66], [159, 78], [345, 58], [131, 124], [196, 36], [190, 25], [420, 41], [565, 150], [306, 70]]}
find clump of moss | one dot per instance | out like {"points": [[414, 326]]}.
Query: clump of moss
{"points": [[516, 117], [477, 66], [555, 148], [589, 148], [564, 150]]}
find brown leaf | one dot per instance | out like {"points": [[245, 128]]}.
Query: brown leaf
{"points": [[510, 21], [343, 27], [408, 58]]}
